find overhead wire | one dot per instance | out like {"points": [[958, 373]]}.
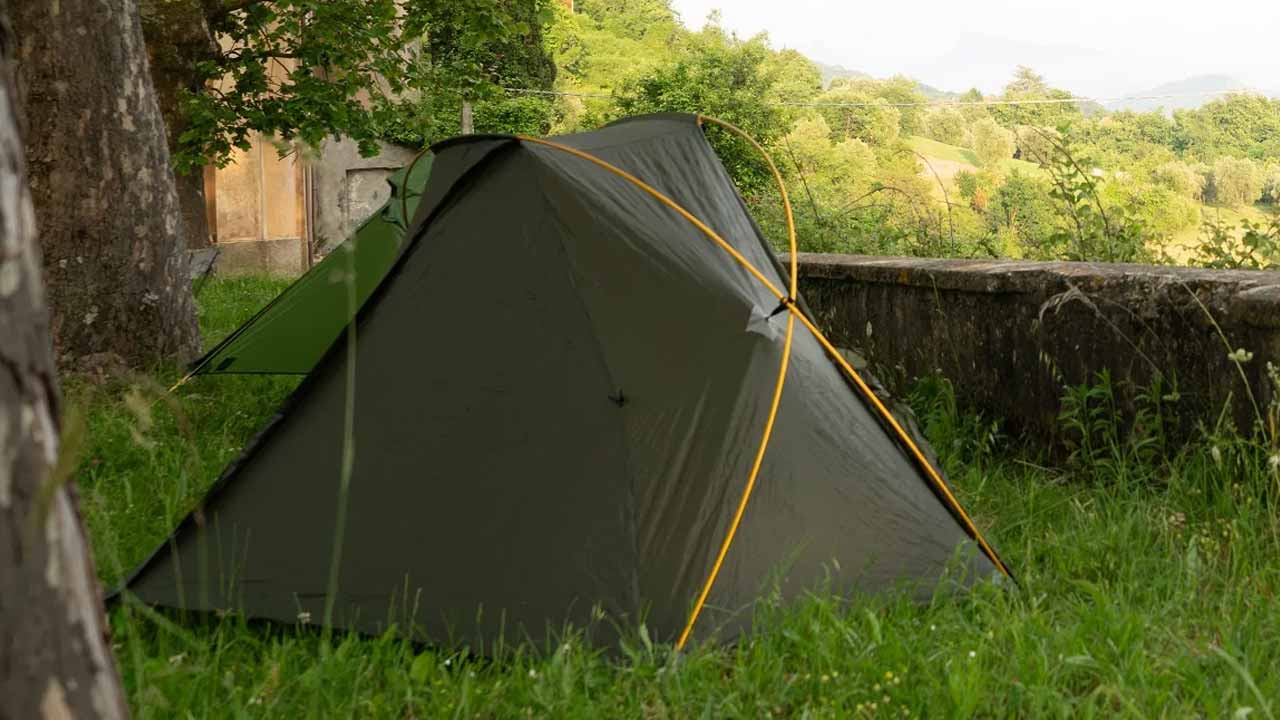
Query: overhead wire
{"points": [[1073, 100]]}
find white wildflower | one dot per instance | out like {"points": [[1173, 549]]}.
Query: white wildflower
{"points": [[1240, 356]]}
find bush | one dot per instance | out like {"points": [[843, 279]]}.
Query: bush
{"points": [[947, 125], [1035, 144], [1236, 181], [1271, 184], [1179, 177], [863, 117], [992, 143]]}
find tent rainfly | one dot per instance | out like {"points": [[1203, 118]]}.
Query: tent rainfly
{"points": [[585, 392]]}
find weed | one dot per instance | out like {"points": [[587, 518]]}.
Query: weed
{"points": [[1147, 587]]}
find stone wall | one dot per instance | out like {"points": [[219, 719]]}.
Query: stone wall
{"points": [[1012, 334], [348, 188]]}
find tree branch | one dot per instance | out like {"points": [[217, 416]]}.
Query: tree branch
{"points": [[215, 9]]}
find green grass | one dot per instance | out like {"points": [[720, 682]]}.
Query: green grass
{"points": [[942, 151], [1148, 589], [1182, 245]]}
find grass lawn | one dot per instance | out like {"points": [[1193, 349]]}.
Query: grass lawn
{"points": [[966, 158], [1182, 246], [1148, 589]]}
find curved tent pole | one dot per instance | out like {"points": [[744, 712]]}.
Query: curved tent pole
{"points": [[787, 301]]}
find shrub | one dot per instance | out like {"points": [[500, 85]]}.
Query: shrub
{"points": [[1271, 183], [1179, 177], [992, 143], [1035, 144], [1236, 181], [947, 125]]}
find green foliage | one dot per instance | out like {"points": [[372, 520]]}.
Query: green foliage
{"points": [[1035, 144], [1235, 182], [860, 115], [947, 125], [1123, 137], [1129, 531], [302, 70], [1256, 248], [1180, 178], [1089, 230], [1271, 183], [1021, 217], [900, 93], [1027, 85], [1160, 211], [1241, 125], [793, 77], [1118, 434], [725, 77], [992, 143]]}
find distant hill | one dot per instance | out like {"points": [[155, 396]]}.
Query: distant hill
{"points": [[832, 72], [1194, 92], [934, 93]]}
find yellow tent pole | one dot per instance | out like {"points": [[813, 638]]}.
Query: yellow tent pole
{"points": [[789, 302], [782, 189]]}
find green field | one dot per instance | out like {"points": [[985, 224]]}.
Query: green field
{"points": [[1148, 580], [1182, 245], [964, 157]]}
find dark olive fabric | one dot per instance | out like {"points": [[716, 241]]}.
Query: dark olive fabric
{"points": [[560, 391], [292, 333]]}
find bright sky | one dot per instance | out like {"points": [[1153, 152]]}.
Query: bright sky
{"points": [[1091, 47]]}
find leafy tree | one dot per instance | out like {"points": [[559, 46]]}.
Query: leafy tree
{"points": [[1161, 210], [1027, 85], [825, 177], [1179, 177], [854, 113], [1021, 217], [1126, 137], [992, 144], [1236, 181], [793, 78], [1089, 228], [303, 70], [900, 93], [1240, 124], [720, 75], [970, 105], [947, 125], [1035, 144], [1271, 183]]}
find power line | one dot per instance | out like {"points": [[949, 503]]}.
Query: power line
{"points": [[933, 103]]}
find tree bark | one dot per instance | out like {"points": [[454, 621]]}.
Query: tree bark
{"points": [[115, 261], [54, 657], [178, 36]]}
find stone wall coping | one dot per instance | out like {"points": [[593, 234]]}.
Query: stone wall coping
{"points": [[1011, 275], [1252, 295]]}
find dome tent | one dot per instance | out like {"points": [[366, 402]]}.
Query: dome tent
{"points": [[581, 387]]}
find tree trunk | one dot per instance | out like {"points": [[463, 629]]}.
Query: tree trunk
{"points": [[177, 36], [54, 659], [115, 261]]}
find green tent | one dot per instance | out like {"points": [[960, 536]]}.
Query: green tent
{"points": [[291, 333], [583, 395]]}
